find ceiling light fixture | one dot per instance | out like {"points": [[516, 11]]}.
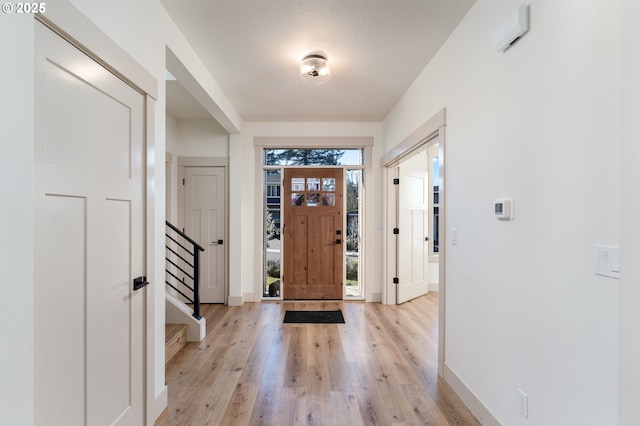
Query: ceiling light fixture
{"points": [[315, 70]]}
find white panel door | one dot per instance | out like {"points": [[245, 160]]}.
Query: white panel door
{"points": [[89, 240], [204, 222], [413, 259]]}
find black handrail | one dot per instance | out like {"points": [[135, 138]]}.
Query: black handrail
{"points": [[183, 235], [191, 269]]}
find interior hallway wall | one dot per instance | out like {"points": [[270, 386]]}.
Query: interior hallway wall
{"points": [[16, 217], [539, 123], [629, 387]]}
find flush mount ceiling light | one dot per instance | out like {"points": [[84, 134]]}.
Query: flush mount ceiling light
{"points": [[314, 69]]}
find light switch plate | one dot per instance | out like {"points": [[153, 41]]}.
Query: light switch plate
{"points": [[606, 261]]}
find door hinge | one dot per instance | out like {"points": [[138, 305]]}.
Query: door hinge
{"points": [[183, 182], [396, 280], [396, 231], [396, 181]]}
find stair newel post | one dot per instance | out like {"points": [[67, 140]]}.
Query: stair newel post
{"points": [[196, 282]]}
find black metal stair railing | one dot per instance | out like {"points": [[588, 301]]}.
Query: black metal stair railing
{"points": [[183, 258]]}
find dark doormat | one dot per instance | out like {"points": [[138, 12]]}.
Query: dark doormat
{"points": [[314, 317]]}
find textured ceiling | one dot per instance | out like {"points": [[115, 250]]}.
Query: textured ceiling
{"points": [[376, 49]]}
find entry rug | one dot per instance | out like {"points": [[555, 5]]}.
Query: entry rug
{"points": [[314, 317]]}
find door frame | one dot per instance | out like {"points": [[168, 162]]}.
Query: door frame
{"points": [[431, 130], [207, 162], [74, 27], [320, 142]]}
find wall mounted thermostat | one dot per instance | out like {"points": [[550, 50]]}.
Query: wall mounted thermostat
{"points": [[516, 26], [503, 208]]}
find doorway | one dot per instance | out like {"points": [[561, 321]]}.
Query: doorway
{"points": [[349, 196], [313, 233], [430, 132]]}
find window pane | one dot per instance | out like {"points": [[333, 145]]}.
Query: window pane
{"points": [[313, 184], [313, 200], [313, 157], [297, 184], [297, 199], [328, 184], [354, 199], [329, 200], [272, 229]]}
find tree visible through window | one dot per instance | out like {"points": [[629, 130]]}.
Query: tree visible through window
{"points": [[303, 157]]}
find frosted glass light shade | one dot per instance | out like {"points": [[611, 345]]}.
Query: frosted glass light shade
{"points": [[315, 70]]}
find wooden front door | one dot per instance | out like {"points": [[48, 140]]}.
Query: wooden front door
{"points": [[312, 233]]}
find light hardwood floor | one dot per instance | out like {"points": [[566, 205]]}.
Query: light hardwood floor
{"points": [[379, 368]]}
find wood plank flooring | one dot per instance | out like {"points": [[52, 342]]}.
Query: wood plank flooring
{"points": [[379, 368]]}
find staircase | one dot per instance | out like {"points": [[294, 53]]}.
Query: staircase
{"points": [[175, 339]]}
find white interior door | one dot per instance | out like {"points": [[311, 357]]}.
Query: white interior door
{"points": [[413, 208], [204, 221], [89, 240]]}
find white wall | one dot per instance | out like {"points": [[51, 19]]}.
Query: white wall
{"points": [[192, 138], [16, 219], [171, 139], [201, 138], [629, 388], [539, 123]]}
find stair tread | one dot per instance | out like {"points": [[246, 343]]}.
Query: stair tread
{"points": [[171, 330]]}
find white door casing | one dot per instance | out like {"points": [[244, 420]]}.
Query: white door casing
{"points": [[89, 240], [413, 211], [205, 222]]}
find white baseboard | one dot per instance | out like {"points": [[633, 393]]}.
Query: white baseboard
{"points": [[235, 301], [434, 287], [474, 405], [375, 298], [157, 406]]}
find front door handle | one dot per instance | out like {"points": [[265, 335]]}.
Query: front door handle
{"points": [[217, 242]]}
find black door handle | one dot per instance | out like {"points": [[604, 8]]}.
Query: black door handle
{"points": [[217, 242], [140, 282]]}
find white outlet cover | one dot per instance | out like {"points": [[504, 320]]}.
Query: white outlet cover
{"points": [[523, 403]]}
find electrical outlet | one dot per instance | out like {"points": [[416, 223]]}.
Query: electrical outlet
{"points": [[523, 403]]}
